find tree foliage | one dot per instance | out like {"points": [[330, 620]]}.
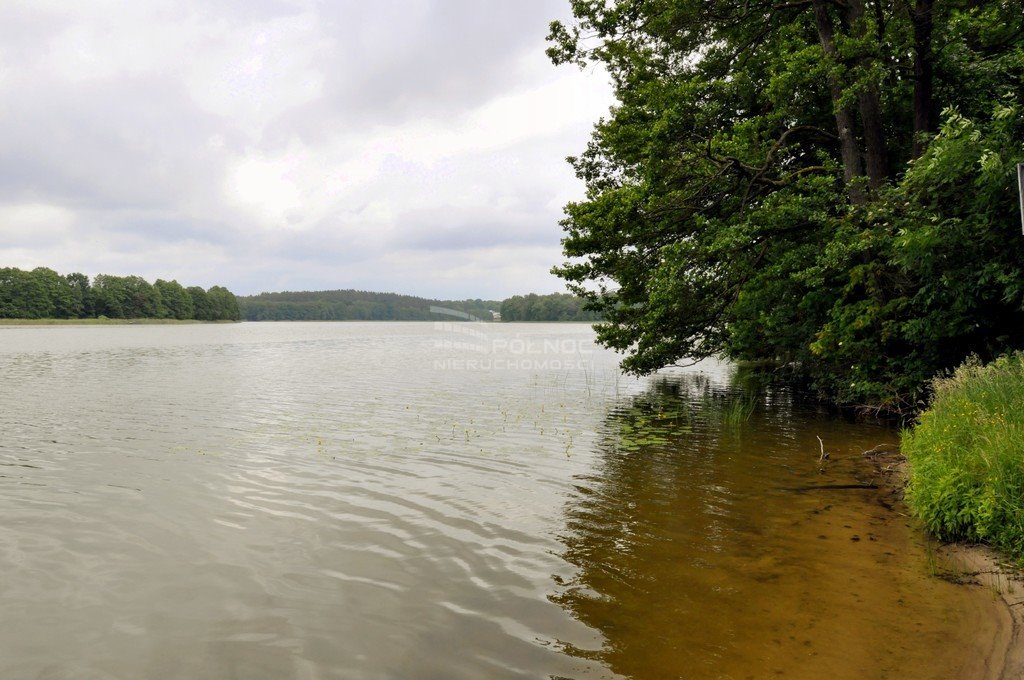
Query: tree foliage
{"points": [[175, 301], [826, 184], [222, 305], [554, 307], [43, 293], [355, 305], [359, 305]]}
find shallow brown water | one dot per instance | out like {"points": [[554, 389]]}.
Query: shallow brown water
{"points": [[726, 550], [402, 500]]}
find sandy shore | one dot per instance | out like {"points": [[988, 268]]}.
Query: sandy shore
{"points": [[979, 564], [974, 565]]}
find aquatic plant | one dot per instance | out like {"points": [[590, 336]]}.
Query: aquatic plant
{"points": [[737, 410]]}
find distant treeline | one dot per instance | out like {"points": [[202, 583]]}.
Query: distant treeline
{"points": [[44, 294], [359, 305], [355, 305], [554, 307]]}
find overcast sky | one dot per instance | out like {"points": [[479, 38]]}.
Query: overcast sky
{"points": [[414, 146]]}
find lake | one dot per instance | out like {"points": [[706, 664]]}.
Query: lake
{"points": [[421, 500]]}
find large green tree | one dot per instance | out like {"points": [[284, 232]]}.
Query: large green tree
{"points": [[201, 306], [773, 183], [223, 304], [81, 295], [23, 295], [176, 303], [125, 297], [60, 297]]}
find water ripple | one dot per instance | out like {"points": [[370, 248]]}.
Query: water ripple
{"points": [[307, 500]]}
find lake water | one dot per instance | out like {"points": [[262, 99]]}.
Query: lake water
{"points": [[418, 500]]}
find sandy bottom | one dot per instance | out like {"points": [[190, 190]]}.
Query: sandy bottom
{"points": [[976, 566], [980, 565]]}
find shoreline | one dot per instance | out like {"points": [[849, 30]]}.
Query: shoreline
{"points": [[103, 322], [968, 565], [975, 564]]}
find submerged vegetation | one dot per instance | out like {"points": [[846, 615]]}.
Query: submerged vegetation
{"points": [[44, 294], [966, 462], [825, 185]]}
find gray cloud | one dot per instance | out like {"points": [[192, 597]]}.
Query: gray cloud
{"points": [[412, 146], [128, 144]]}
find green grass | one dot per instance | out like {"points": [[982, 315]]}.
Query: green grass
{"points": [[967, 456]]}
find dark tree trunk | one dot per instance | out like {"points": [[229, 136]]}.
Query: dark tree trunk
{"points": [[879, 22], [874, 136], [925, 118], [869, 104], [845, 121]]}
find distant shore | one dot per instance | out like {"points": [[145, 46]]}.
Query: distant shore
{"points": [[157, 322], [101, 322]]}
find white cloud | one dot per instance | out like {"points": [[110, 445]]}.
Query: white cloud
{"points": [[251, 74], [35, 223]]}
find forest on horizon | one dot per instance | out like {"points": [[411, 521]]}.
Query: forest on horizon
{"points": [[42, 293], [357, 305]]}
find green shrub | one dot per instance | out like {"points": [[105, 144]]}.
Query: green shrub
{"points": [[967, 456]]}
